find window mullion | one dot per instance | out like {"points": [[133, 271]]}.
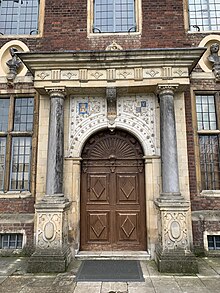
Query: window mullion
{"points": [[114, 15], [209, 15], [8, 144], [19, 16]]}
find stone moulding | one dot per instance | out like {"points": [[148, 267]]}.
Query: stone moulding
{"points": [[98, 68]]}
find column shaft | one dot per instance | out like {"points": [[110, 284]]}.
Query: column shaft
{"points": [[169, 163], [54, 184]]}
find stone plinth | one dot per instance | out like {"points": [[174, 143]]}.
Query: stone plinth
{"points": [[173, 252], [52, 253]]}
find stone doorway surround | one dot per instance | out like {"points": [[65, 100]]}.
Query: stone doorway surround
{"points": [[113, 74]]}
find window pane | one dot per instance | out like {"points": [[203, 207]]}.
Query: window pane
{"points": [[23, 115], [114, 16], [20, 163], [2, 161], [206, 113], [4, 108], [11, 241], [19, 16], [209, 161], [204, 15]]}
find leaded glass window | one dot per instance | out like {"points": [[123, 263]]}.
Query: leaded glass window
{"points": [[204, 15], [19, 17], [2, 161], [11, 241], [4, 108], [114, 16], [20, 163], [214, 242], [16, 129], [208, 136]]}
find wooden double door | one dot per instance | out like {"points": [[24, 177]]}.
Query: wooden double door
{"points": [[112, 193]]}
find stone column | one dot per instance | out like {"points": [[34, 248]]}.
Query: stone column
{"points": [[55, 144], [173, 252], [52, 252], [169, 163]]}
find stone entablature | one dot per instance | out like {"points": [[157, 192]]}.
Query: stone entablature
{"points": [[101, 69]]}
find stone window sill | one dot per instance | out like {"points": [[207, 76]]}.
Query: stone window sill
{"points": [[210, 193], [15, 194]]}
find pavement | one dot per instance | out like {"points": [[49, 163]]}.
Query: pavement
{"points": [[14, 278]]}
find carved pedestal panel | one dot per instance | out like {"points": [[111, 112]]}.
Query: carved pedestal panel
{"points": [[52, 253], [173, 252]]}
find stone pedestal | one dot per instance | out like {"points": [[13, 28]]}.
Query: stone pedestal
{"points": [[52, 252], [173, 252]]}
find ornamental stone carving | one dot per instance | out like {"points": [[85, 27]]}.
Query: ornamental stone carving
{"points": [[175, 230], [49, 230], [133, 113], [13, 64], [214, 58]]}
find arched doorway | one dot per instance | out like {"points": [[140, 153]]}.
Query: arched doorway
{"points": [[112, 193]]}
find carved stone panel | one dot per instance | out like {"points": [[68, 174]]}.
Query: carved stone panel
{"points": [[134, 113]]}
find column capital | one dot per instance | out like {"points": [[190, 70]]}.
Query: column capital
{"points": [[167, 89], [56, 92]]}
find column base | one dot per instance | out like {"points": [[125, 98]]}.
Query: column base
{"points": [[49, 261], [52, 254], [176, 261]]}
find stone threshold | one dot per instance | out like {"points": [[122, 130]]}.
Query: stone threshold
{"points": [[113, 255]]}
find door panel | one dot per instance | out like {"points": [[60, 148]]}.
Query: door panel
{"points": [[98, 226], [127, 226], [112, 193], [98, 188], [127, 188]]}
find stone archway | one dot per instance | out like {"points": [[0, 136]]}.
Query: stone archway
{"points": [[112, 193]]}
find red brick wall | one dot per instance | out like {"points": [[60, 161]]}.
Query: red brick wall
{"points": [[198, 228], [10, 206], [65, 28], [16, 227]]}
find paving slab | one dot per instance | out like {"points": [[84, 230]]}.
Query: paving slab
{"points": [[166, 284], [86, 287], [114, 287], [191, 284], [13, 278]]}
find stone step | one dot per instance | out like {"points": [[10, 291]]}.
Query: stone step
{"points": [[114, 255]]}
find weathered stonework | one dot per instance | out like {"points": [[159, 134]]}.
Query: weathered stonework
{"points": [[52, 252]]}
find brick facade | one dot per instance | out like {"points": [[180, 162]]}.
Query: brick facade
{"points": [[163, 26]]}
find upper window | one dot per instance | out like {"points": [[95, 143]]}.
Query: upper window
{"points": [[208, 137], [204, 15], [19, 17], [114, 16], [16, 127]]}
